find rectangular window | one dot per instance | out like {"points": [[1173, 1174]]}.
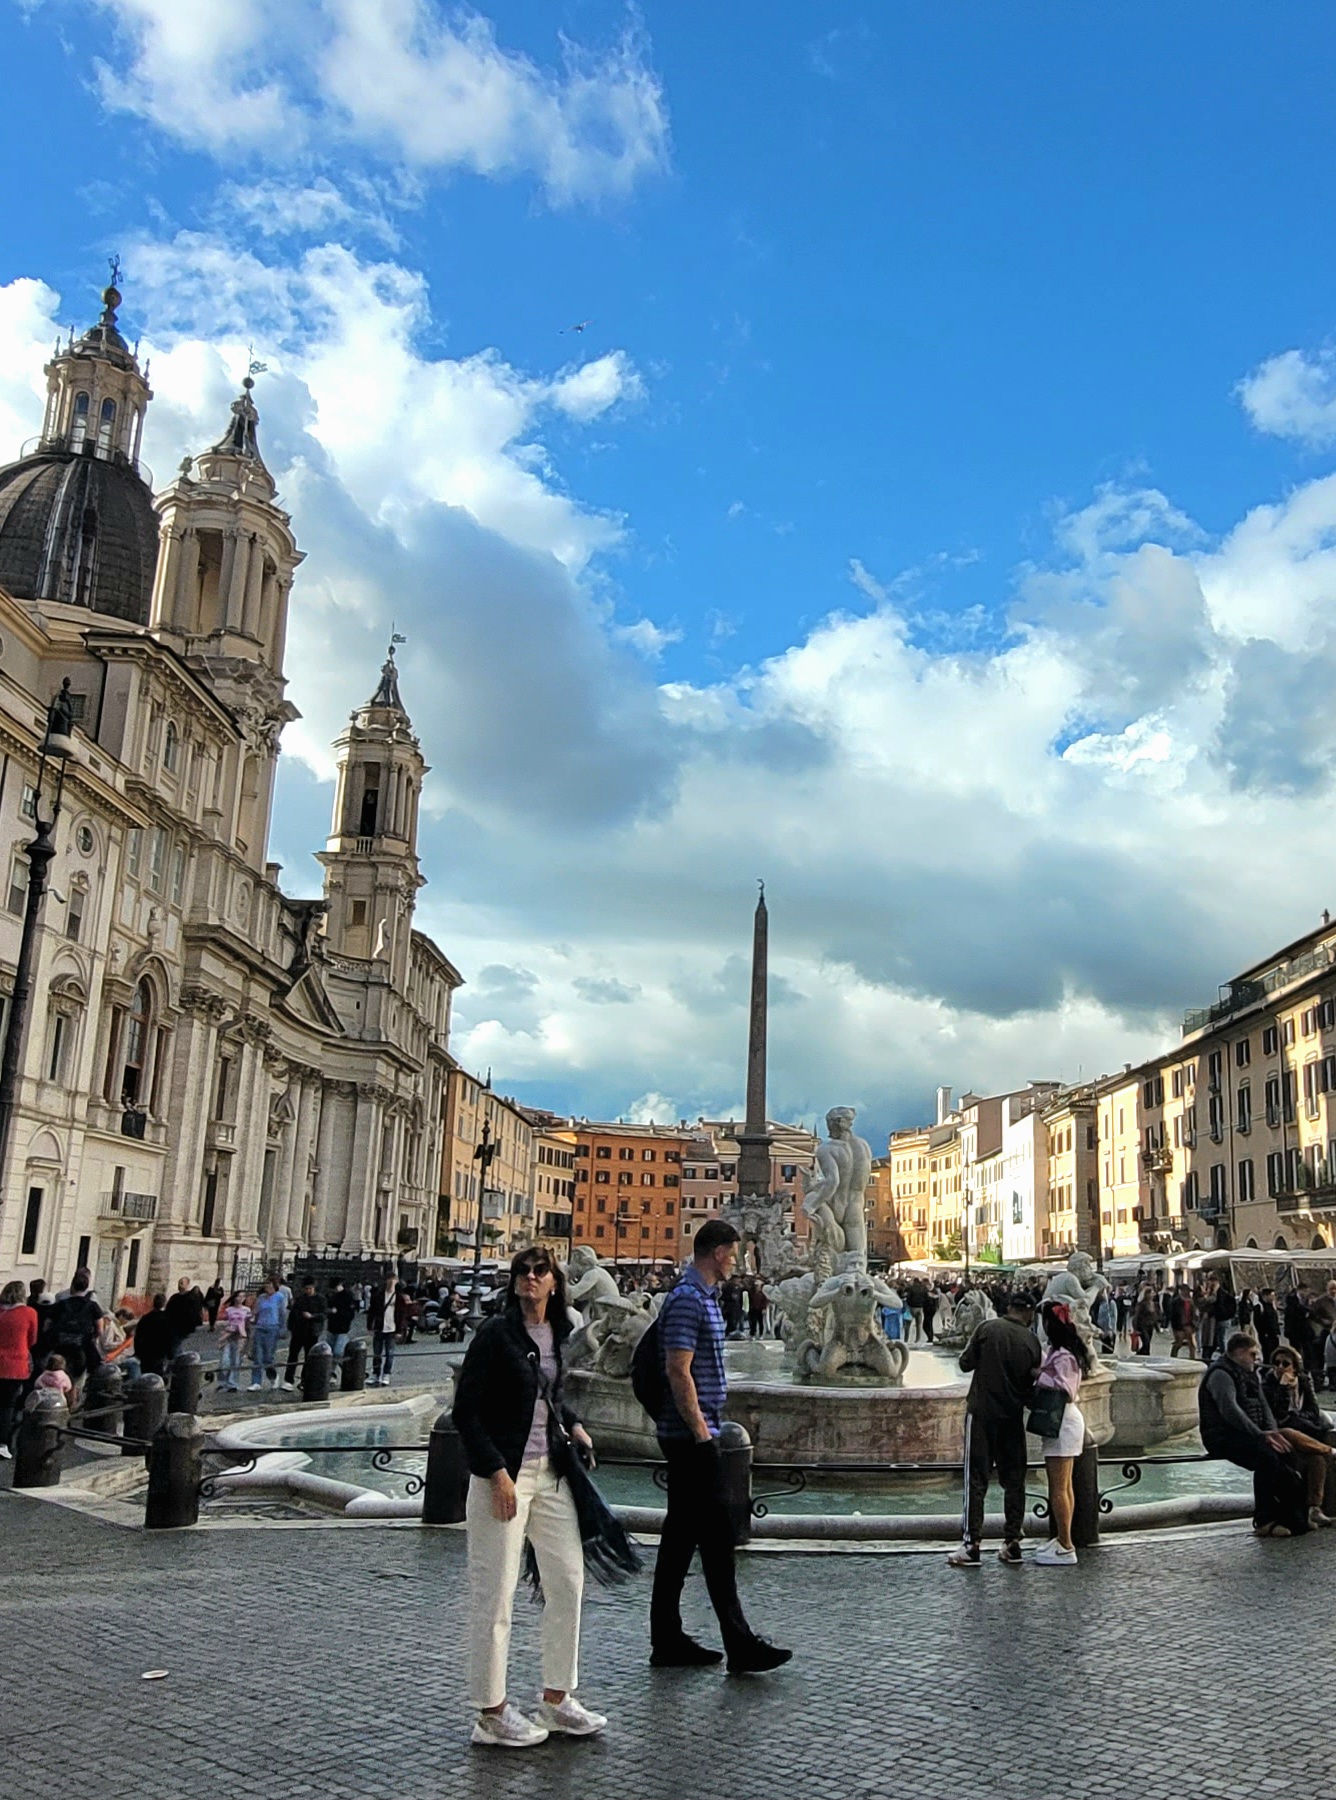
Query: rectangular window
{"points": [[134, 847], [1246, 1189], [669, 1209], [1287, 1032], [74, 915], [670, 1181], [1244, 1108], [28, 803], [624, 1178], [1216, 1110], [647, 1156], [55, 1061], [32, 1218], [162, 1051], [647, 1181], [602, 1177], [178, 874], [1270, 1040], [1243, 1053], [18, 886], [1273, 1100], [598, 1231], [603, 1153], [1217, 1184], [626, 1155], [132, 1267], [1176, 1084], [1213, 1069], [157, 857], [1289, 1083], [220, 1091], [1188, 1191]]}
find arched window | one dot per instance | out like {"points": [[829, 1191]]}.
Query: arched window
{"points": [[79, 423], [138, 1036], [171, 749], [105, 427]]}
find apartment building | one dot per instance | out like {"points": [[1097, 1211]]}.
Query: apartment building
{"points": [[1071, 1218], [885, 1240], [628, 1190], [505, 1211], [553, 1183], [907, 1154]]}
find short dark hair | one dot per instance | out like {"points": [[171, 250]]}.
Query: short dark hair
{"points": [[1240, 1340], [80, 1281], [713, 1235]]}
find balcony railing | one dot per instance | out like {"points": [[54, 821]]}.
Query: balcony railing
{"points": [[133, 1122], [142, 1208], [1239, 994]]}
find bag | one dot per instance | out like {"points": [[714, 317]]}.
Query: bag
{"points": [[1046, 1412], [608, 1552], [648, 1382]]}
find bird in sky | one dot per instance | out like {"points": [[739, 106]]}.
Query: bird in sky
{"points": [[582, 325]]}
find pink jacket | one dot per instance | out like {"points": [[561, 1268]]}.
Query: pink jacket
{"points": [[18, 1337], [1061, 1370]]}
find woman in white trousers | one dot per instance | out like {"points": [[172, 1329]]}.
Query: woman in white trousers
{"points": [[508, 1392]]}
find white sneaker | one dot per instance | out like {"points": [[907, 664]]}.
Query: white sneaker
{"points": [[288, 1385], [1053, 1556], [568, 1717], [508, 1730], [5, 1453]]}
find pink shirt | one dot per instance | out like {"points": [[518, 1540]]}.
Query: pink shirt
{"points": [[55, 1378]]}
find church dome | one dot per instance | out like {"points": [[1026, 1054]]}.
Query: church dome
{"points": [[77, 522], [77, 528]]}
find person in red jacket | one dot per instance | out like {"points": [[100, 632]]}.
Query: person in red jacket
{"points": [[18, 1338]]}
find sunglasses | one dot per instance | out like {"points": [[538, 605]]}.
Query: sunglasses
{"points": [[533, 1268]]}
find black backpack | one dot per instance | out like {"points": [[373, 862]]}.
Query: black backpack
{"points": [[648, 1381]]}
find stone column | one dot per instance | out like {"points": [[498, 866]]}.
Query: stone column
{"points": [[163, 604], [296, 1164], [254, 583], [237, 576], [184, 611]]}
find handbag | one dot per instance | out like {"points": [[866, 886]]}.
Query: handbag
{"points": [[1046, 1412], [609, 1554]]}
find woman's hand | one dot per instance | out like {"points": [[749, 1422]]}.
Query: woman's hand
{"points": [[504, 1503], [581, 1437]]}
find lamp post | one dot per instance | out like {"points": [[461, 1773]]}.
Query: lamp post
{"points": [[57, 746], [485, 1154]]}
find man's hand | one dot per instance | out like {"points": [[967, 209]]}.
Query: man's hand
{"points": [[504, 1503], [580, 1436], [1280, 1444]]}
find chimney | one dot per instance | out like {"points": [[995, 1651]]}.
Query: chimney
{"points": [[943, 1104]]}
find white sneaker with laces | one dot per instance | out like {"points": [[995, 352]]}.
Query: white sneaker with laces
{"points": [[1053, 1556], [568, 1718], [5, 1452], [508, 1730]]}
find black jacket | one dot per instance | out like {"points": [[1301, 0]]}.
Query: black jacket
{"points": [[342, 1309], [1230, 1404], [306, 1316], [1297, 1408], [497, 1390]]}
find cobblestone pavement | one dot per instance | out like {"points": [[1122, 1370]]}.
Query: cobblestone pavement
{"points": [[328, 1663]]}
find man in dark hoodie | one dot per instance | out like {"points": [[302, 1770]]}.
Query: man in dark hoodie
{"points": [[1239, 1426], [1003, 1356], [305, 1323]]}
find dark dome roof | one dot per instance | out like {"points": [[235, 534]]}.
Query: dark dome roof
{"points": [[78, 528]]}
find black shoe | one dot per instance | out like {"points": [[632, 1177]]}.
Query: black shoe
{"points": [[686, 1653], [1010, 1554], [756, 1657]]}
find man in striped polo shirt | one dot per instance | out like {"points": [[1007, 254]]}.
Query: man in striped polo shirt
{"points": [[691, 1334]]}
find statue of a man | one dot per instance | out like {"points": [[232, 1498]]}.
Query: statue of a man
{"points": [[834, 1200], [589, 1286], [1079, 1287]]}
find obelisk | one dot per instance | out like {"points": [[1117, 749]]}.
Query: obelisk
{"points": [[754, 1138]]}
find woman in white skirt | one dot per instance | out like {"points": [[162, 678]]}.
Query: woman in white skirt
{"points": [[507, 1400], [1065, 1362]]}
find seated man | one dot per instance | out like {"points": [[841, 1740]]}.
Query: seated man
{"points": [[1238, 1425]]}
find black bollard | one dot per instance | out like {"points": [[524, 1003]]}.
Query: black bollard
{"points": [[317, 1368], [174, 1469], [145, 1413], [37, 1447], [1085, 1494], [447, 1486], [186, 1383], [352, 1374], [103, 1405], [735, 1459]]}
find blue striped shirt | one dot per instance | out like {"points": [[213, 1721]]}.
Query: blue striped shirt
{"points": [[690, 1319]]}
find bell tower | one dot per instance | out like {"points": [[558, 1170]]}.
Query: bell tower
{"points": [[220, 599], [96, 393], [371, 864]]}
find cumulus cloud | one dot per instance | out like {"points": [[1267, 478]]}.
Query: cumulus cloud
{"points": [[1006, 855], [407, 81], [1293, 395]]}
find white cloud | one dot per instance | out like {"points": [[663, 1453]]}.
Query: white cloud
{"points": [[986, 860], [1293, 395], [595, 387], [402, 80], [648, 639]]}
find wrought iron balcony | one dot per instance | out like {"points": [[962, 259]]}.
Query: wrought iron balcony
{"points": [[1238, 994]]}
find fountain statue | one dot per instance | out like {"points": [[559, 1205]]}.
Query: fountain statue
{"points": [[1079, 1287], [972, 1308], [848, 1343], [834, 1200], [607, 1343], [589, 1286]]}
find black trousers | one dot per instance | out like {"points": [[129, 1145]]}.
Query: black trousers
{"points": [[298, 1344], [697, 1520], [1280, 1494], [10, 1394], [994, 1444]]}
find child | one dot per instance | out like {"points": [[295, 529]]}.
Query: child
{"points": [[231, 1340], [53, 1376]]}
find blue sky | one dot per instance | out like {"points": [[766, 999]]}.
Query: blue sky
{"points": [[934, 514]]}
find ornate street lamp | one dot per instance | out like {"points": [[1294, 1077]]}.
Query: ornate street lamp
{"points": [[57, 747], [484, 1156]]}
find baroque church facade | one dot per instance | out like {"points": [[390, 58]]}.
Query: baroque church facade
{"points": [[214, 1075]]}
